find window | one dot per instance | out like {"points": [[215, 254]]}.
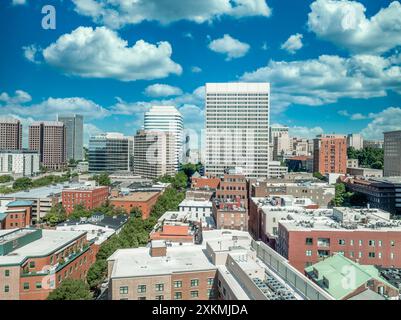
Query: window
{"points": [[6, 288], [341, 242], [124, 290], [159, 297], [141, 288], [177, 284], [360, 243], [177, 295], [371, 255], [323, 242], [392, 256], [351, 254], [380, 255], [309, 241], [210, 293], [194, 282], [6, 273], [210, 281], [308, 253], [194, 294], [351, 242], [372, 243], [32, 264], [359, 254], [380, 243], [159, 287], [392, 243], [26, 285], [38, 285]]}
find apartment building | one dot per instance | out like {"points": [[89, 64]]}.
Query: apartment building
{"points": [[89, 196], [49, 140], [144, 201], [355, 140], [237, 128], [10, 134], [34, 262], [392, 154], [154, 154], [367, 236], [15, 214], [330, 154], [19, 163]]}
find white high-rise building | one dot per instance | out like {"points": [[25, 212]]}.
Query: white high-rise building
{"points": [[355, 140], [167, 119], [237, 128]]}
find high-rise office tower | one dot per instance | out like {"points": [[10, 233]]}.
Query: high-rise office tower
{"points": [[10, 134], [74, 125], [330, 154], [392, 153], [110, 152], [49, 139], [167, 119], [355, 140], [237, 128], [280, 139], [154, 154]]}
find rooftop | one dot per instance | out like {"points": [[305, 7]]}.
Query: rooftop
{"points": [[137, 197], [20, 203], [42, 192], [196, 203]]}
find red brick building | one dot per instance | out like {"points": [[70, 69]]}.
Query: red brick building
{"points": [[304, 243], [89, 197], [205, 183], [144, 201], [330, 154], [34, 262], [231, 215], [17, 215], [173, 233]]}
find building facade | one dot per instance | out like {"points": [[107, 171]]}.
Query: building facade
{"points": [[355, 140], [392, 154], [167, 119], [237, 128], [110, 152], [49, 140], [89, 197], [74, 125], [144, 201], [154, 154], [23, 163], [10, 134], [330, 154]]}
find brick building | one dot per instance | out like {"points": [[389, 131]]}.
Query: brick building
{"points": [[205, 183], [143, 201], [367, 236], [330, 154], [34, 262], [18, 214], [89, 197]]}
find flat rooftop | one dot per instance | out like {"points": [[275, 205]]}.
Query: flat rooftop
{"points": [[137, 197], [196, 203], [51, 241], [42, 192]]}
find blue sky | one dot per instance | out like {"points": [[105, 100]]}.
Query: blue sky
{"points": [[334, 65]]}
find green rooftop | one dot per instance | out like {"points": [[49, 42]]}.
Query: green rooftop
{"points": [[332, 274]]}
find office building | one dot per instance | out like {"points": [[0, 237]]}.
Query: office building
{"points": [[392, 154], [237, 128], [280, 139], [366, 236], [355, 140], [89, 197], [167, 119], [276, 170], [373, 144], [34, 262], [154, 154], [10, 134], [74, 127], [49, 139], [110, 152], [19, 163], [301, 147], [330, 154]]}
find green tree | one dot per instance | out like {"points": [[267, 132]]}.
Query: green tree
{"points": [[22, 183], [6, 178], [102, 179], [80, 211], [368, 157], [318, 175], [71, 289], [56, 215]]}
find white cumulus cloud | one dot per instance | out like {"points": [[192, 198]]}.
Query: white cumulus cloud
{"points": [[387, 120], [162, 90], [345, 24], [118, 13], [293, 43], [101, 53], [20, 96], [229, 46]]}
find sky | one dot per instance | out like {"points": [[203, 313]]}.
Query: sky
{"points": [[334, 65]]}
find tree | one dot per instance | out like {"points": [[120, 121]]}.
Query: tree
{"points": [[368, 157], [6, 178], [136, 213], [71, 289], [80, 212], [319, 176], [342, 197], [102, 179], [22, 183], [56, 215]]}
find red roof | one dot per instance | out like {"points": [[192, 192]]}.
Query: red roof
{"points": [[212, 183], [175, 230]]}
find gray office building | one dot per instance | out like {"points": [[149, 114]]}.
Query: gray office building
{"points": [[74, 125], [392, 154], [110, 152]]}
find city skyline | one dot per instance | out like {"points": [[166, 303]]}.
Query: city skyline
{"points": [[349, 84]]}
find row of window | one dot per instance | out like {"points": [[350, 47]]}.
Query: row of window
{"points": [[342, 242]]}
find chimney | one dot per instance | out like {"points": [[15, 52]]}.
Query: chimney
{"points": [[158, 248]]}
